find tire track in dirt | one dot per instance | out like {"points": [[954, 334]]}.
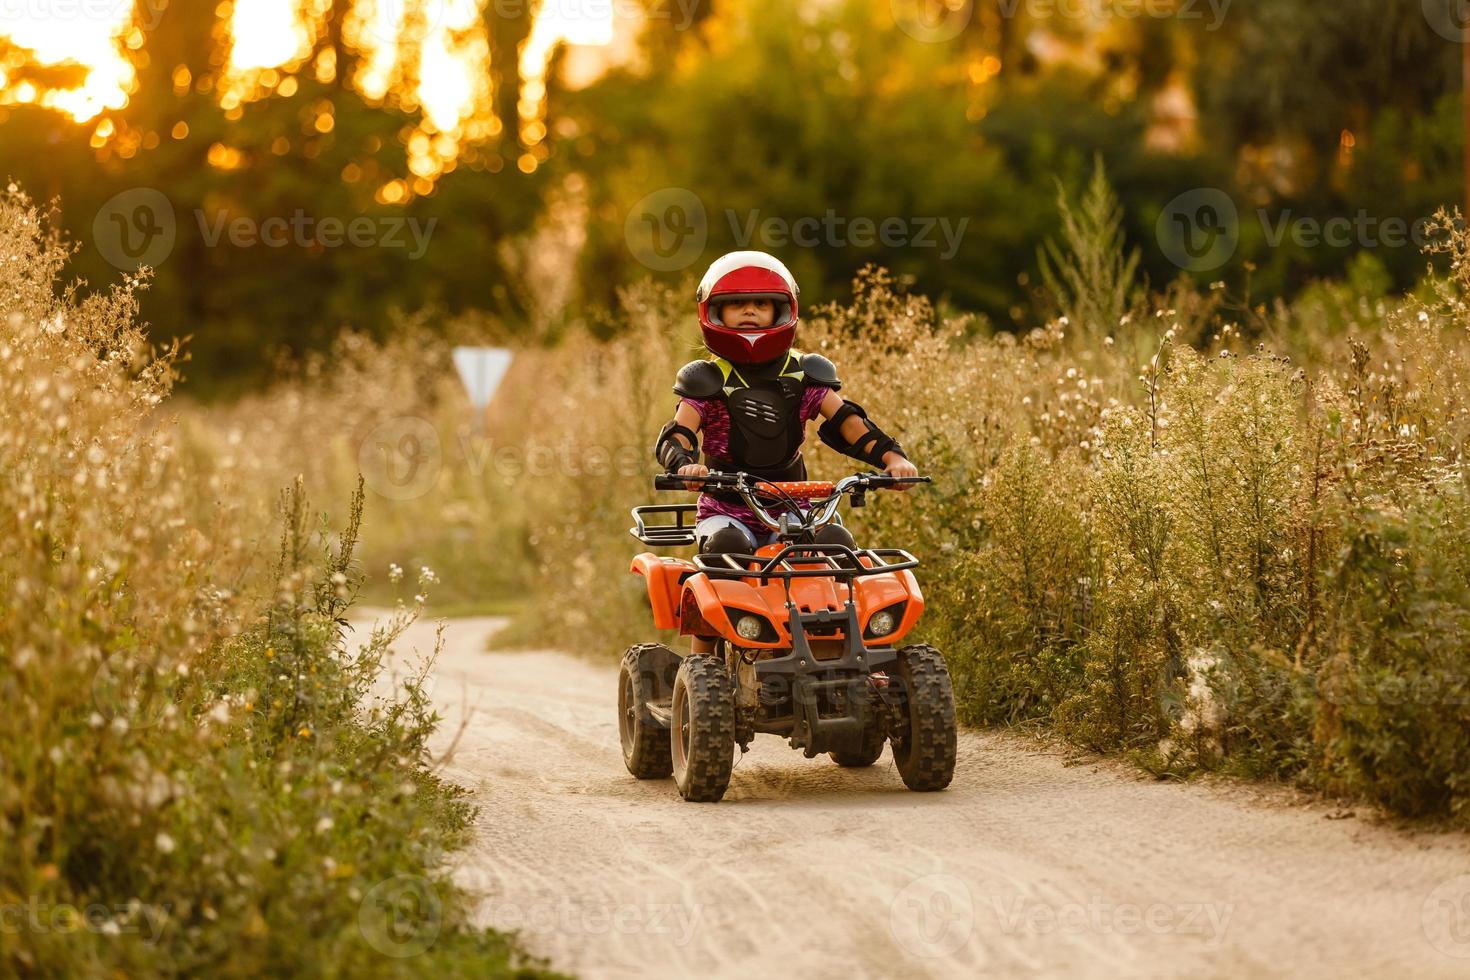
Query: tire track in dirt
{"points": [[1026, 866]]}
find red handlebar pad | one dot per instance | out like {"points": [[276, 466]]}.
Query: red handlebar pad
{"points": [[807, 490]]}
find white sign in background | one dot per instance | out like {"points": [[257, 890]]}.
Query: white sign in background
{"points": [[481, 369]]}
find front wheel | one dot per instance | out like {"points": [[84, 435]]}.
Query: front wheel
{"points": [[702, 732], [926, 743]]}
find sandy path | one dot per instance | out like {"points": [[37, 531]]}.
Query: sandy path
{"points": [[1026, 866]]}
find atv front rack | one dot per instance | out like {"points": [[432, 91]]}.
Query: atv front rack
{"points": [[823, 561], [663, 534]]}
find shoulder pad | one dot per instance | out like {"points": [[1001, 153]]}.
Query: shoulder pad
{"points": [[699, 379], [819, 370]]}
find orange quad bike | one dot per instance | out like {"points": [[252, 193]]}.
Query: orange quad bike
{"points": [[806, 645]]}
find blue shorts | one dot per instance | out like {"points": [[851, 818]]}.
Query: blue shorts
{"points": [[756, 538], [706, 528]]}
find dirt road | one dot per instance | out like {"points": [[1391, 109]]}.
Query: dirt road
{"points": [[1026, 866]]}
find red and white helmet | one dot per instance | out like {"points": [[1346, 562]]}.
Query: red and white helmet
{"points": [[748, 275]]}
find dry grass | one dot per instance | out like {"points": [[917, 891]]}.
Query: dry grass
{"points": [[198, 773]]}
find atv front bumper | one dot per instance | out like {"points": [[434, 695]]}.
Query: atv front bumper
{"points": [[833, 701]]}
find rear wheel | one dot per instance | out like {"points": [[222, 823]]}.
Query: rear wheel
{"points": [[702, 733], [867, 754], [926, 744], [645, 743]]}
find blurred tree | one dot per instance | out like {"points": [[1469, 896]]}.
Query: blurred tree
{"points": [[960, 156], [285, 150], [508, 24], [1330, 111], [1310, 70]]}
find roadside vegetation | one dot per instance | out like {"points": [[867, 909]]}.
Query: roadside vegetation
{"points": [[203, 770]]}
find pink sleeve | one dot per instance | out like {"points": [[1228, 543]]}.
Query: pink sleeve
{"points": [[700, 405], [811, 401]]}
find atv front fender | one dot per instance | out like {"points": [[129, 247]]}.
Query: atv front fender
{"points": [[661, 575]]}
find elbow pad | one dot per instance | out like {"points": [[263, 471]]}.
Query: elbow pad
{"points": [[670, 453], [870, 448]]}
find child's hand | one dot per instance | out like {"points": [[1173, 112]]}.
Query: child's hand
{"points": [[695, 469], [898, 466]]}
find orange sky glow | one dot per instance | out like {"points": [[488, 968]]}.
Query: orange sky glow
{"points": [[271, 33]]}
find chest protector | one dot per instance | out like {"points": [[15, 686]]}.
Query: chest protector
{"points": [[765, 420]]}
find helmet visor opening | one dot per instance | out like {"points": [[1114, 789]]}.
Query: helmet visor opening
{"points": [[779, 301]]}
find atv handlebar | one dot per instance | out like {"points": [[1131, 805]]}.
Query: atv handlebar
{"points": [[736, 481], [753, 489]]}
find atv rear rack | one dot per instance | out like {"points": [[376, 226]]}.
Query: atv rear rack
{"points": [[663, 534], [831, 561]]}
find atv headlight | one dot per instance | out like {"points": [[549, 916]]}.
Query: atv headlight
{"points": [[749, 627], [885, 621]]}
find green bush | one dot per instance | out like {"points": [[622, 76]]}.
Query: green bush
{"points": [[198, 771]]}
